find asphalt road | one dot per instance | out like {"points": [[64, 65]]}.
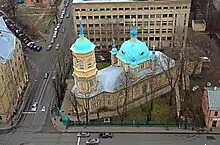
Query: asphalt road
{"points": [[41, 90], [118, 139]]}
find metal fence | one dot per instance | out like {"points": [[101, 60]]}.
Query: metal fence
{"points": [[134, 123]]}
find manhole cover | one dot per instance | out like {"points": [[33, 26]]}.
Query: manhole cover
{"points": [[210, 137]]}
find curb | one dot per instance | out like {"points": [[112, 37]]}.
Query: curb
{"points": [[121, 132]]}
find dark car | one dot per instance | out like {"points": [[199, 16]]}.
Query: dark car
{"points": [[105, 135], [31, 46], [39, 48]]}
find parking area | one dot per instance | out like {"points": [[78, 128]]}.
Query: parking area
{"points": [[20, 34]]}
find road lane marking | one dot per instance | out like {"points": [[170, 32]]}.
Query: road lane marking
{"points": [[28, 112], [78, 141]]}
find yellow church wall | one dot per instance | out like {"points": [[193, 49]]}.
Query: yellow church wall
{"points": [[86, 70], [136, 91]]}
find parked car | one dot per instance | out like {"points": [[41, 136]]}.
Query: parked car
{"points": [[34, 107], [49, 47], [52, 41], [83, 134], [105, 135], [101, 57], [58, 25], [92, 141], [57, 46], [54, 36], [61, 17], [38, 48], [46, 75]]}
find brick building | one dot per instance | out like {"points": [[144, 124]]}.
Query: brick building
{"points": [[211, 106]]}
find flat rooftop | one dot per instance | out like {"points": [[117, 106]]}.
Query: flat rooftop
{"points": [[102, 1]]}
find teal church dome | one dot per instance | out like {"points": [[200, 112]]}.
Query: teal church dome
{"points": [[133, 51], [82, 45]]}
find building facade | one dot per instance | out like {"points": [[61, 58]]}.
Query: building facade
{"points": [[39, 3], [211, 106], [156, 21], [14, 76], [135, 73]]}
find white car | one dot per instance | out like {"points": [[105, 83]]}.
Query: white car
{"points": [[61, 17], [54, 36], [83, 134], [93, 141], [195, 88], [58, 25], [57, 46], [43, 109], [52, 41], [30, 43], [55, 32], [67, 15], [56, 29], [34, 107], [49, 47], [101, 57]]}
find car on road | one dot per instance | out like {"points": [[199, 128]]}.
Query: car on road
{"points": [[37, 48], [92, 141], [46, 75], [34, 107], [83, 134], [49, 47], [195, 88], [63, 30], [61, 17], [43, 109], [105, 135], [57, 46], [52, 41], [67, 15]]}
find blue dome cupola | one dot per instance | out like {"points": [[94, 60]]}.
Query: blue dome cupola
{"points": [[133, 51], [133, 32], [113, 52], [81, 34], [114, 49], [153, 59], [82, 45]]}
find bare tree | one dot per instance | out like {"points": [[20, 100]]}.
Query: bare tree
{"points": [[73, 101], [55, 10], [111, 29], [124, 81], [10, 8], [63, 65], [212, 19]]}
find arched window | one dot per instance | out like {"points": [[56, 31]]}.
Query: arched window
{"points": [[74, 60], [89, 63], [81, 64]]}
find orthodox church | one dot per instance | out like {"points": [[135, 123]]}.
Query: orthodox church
{"points": [[133, 58]]}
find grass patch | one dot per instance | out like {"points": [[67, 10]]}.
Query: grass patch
{"points": [[45, 23], [102, 65], [31, 11], [159, 112]]}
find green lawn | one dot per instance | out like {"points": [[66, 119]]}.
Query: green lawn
{"points": [[45, 23], [102, 65], [159, 112]]}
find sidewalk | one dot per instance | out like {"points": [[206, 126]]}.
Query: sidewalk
{"points": [[129, 130]]}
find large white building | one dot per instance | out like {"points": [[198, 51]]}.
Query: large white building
{"points": [[156, 21]]}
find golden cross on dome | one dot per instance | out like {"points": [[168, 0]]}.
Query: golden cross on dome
{"points": [[133, 22]]}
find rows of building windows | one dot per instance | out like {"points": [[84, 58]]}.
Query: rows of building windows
{"points": [[127, 16], [132, 8]]}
